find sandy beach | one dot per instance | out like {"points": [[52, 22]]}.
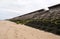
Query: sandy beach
{"points": [[10, 30]]}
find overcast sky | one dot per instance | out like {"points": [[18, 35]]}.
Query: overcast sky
{"points": [[13, 8]]}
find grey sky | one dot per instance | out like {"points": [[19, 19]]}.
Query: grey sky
{"points": [[13, 8]]}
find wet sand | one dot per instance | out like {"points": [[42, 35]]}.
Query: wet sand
{"points": [[10, 30]]}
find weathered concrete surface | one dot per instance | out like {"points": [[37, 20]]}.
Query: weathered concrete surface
{"points": [[10, 30]]}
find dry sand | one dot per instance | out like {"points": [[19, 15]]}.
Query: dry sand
{"points": [[10, 30]]}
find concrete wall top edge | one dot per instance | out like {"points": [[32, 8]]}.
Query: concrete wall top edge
{"points": [[51, 7]]}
